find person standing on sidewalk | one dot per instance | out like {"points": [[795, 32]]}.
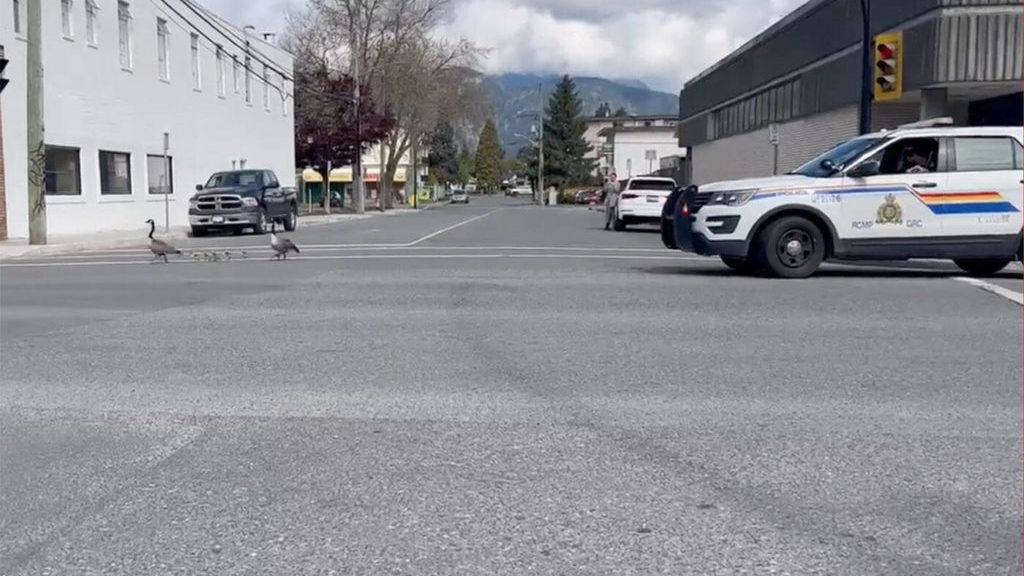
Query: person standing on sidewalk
{"points": [[611, 194]]}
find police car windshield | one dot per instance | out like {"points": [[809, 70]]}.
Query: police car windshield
{"points": [[839, 155]]}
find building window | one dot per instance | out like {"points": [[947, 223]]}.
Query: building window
{"points": [[124, 34], [221, 81], [248, 80], [66, 27], [63, 171], [197, 80], [163, 49], [17, 16], [91, 32], [238, 74], [160, 174], [795, 110], [115, 173]]}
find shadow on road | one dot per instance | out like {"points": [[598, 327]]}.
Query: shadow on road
{"points": [[849, 272]]}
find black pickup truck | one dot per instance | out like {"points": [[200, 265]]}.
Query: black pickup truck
{"points": [[240, 199]]}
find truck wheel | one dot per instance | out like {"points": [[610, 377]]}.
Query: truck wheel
{"points": [[292, 220], [741, 265], [619, 225], [198, 231], [261, 224], [791, 247], [982, 266]]}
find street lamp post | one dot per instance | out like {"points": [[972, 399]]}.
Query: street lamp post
{"points": [[864, 119]]}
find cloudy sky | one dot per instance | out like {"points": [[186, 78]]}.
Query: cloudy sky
{"points": [[660, 42]]}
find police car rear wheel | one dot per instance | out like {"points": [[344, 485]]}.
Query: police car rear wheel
{"points": [[983, 266], [791, 247]]}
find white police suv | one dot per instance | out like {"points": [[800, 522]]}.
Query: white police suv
{"points": [[924, 190]]}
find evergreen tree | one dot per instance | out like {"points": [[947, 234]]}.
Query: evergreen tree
{"points": [[603, 111], [620, 112], [443, 158], [564, 144], [466, 168], [489, 157]]}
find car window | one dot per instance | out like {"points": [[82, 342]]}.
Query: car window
{"points": [[908, 156], [839, 155], [650, 184], [270, 179], [982, 154], [1018, 155]]}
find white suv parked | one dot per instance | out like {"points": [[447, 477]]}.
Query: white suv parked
{"points": [[925, 190], [640, 201]]}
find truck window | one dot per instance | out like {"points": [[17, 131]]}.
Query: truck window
{"points": [[651, 184]]}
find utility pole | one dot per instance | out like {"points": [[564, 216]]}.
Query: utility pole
{"points": [[358, 191], [540, 146], [36, 141], [866, 85], [415, 177], [167, 185]]}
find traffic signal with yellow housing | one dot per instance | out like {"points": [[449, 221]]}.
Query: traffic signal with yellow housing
{"points": [[889, 66]]}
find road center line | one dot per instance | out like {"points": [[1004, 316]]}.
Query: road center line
{"points": [[1010, 295], [450, 228]]}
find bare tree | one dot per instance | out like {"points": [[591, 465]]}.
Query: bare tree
{"points": [[416, 78]]}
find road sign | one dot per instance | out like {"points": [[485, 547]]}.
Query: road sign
{"points": [[650, 155], [607, 149], [773, 134]]}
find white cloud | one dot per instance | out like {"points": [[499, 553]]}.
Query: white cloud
{"points": [[661, 42]]}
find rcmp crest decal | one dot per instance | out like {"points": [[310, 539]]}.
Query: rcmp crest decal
{"points": [[890, 212]]}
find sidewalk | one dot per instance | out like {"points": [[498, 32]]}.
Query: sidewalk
{"points": [[113, 240]]}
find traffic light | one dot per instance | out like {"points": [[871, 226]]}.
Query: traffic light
{"points": [[888, 66]]}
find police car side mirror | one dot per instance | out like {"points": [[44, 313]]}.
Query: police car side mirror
{"points": [[865, 169], [828, 166]]}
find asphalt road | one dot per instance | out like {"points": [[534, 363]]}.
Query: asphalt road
{"points": [[503, 389]]}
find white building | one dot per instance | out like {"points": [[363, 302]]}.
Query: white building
{"points": [[637, 149], [118, 75], [644, 129]]}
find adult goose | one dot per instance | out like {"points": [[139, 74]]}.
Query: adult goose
{"points": [[280, 246], [158, 247]]}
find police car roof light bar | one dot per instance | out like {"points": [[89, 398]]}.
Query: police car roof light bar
{"points": [[929, 123]]}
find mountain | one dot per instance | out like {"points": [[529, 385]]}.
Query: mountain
{"points": [[514, 100]]}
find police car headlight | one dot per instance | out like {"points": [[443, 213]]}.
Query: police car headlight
{"points": [[731, 197]]}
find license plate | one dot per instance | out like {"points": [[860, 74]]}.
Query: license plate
{"points": [[217, 219]]}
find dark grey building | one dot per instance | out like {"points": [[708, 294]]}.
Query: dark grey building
{"points": [[961, 58]]}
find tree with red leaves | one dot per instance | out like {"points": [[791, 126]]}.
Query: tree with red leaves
{"points": [[326, 125]]}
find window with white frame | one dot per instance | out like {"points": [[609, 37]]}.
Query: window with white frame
{"points": [[17, 5], [159, 170], [248, 80], [91, 31], [66, 26], [163, 60], [124, 34], [115, 173], [63, 172], [197, 80], [221, 81], [266, 87], [238, 74]]}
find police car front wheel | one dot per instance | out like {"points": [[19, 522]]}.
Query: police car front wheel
{"points": [[982, 266], [790, 247]]}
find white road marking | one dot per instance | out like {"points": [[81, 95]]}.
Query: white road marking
{"points": [[575, 256], [1010, 295], [452, 227]]}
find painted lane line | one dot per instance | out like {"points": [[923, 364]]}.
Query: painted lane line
{"points": [[666, 258], [1010, 295], [452, 227]]}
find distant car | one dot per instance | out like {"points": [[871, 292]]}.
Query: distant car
{"points": [[459, 197], [639, 202], [588, 197]]}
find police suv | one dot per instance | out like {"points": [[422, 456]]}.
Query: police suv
{"points": [[924, 190]]}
